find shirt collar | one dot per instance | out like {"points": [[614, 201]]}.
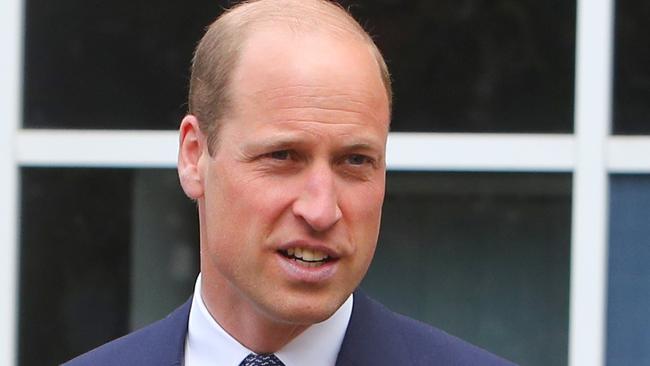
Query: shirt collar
{"points": [[208, 343]]}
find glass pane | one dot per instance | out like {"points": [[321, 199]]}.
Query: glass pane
{"points": [[477, 66], [628, 318], [91, 241], [483, 256], [121, 64], [631, 71], [480, 66]]}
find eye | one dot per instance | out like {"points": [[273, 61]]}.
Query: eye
{"points": [[358, 159], [280, 155]]}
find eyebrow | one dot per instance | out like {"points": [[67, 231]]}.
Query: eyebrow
{"points": [[274, 143], [285, 142], [365, 146]]}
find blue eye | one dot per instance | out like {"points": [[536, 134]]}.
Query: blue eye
{"points": [[357, 159], [280, 155]]}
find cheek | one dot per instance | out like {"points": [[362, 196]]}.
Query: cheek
{"points": [[254, 206], [363, 210], [363, 222], [369, 199], [225, 208]]}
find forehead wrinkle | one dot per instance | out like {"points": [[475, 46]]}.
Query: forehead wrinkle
{"points": [[326, 102], [324, 109], [357, 104], [319, 128], [298, 91], [334, 121], [310, 122]]}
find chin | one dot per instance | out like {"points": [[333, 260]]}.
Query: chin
{"points": [[307, 310]]}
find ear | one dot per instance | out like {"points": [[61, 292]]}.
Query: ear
{"points": [[190, 153]]}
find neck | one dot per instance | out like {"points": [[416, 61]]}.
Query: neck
{"points": [[253, 329]]}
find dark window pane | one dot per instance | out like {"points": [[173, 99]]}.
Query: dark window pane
{"points": [[628, 318], [92, 241], [477, 66], [483, 66], [631, 71], [74, 281], [110, 64], [482, 256]]}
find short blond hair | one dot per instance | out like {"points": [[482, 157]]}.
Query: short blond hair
{"points": [[218, 52]]}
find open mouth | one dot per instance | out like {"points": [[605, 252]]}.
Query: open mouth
{"points": [[306, 257]]}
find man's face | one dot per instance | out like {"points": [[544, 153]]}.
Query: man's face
{"points": [[292, 195]]}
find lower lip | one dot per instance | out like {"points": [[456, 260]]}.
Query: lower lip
{"points": [[301, 273]]}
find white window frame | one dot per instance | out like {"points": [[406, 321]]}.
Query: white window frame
{"points": [[590, 154], [10, 106]]}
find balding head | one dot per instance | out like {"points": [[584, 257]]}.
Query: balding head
{"points": [[218, 53]]}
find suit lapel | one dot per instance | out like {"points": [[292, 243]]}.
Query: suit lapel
{"points": [[172, 332], [371, 337]]}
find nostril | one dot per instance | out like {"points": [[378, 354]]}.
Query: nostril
{"points": [[338, 213]]}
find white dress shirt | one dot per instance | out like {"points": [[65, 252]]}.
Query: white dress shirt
{"points": [[208, 344]]}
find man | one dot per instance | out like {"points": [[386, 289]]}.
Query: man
{"points": [[283, 150]]}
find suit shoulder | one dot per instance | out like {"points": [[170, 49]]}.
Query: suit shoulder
{"points": [[157, 343], [406, 338], [429, 343]]}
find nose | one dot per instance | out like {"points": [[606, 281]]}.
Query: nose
{"points": [[317, 203]]}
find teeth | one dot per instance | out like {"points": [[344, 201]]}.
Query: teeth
{"points": [[319, 256], [307, 255]]}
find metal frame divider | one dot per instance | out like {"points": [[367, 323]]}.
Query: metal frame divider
{"points": [[590, 182], [11, 30]]}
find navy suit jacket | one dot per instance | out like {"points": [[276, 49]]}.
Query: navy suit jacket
{"points": [[375, 336]]}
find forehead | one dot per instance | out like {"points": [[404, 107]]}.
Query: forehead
{"points": [[280, 67]]}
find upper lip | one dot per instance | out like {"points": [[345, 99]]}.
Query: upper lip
{"points": [[314, 246]]}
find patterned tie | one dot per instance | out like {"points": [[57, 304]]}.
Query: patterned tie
{"points": [[261, 360]]}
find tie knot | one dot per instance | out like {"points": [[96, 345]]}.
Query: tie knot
{"points": [[261, 360]]}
